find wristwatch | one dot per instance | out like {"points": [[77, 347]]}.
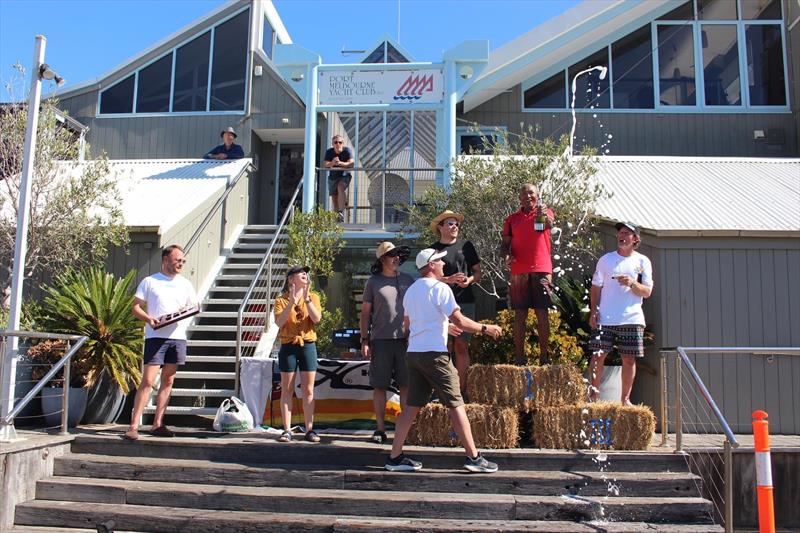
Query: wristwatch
{"points": [[483, 328]]}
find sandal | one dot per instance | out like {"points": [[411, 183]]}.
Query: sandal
{"points": [[311, 436], [285, 437], [379, 437], [594, 394]]}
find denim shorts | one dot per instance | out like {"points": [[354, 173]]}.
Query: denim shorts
{"points": [[162, 351], [293, 356]]}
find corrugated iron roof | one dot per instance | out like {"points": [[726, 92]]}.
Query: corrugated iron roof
{"points": [[674, 195], [159, 193]]}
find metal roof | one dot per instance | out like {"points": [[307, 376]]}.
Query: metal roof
{"points": [[675, 196], [157, 194]]}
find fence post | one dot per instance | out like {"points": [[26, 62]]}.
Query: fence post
{"points": [[766, 514], [678, 407], [664, 384], [728, 486]]}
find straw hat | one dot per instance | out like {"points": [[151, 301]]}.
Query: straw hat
{"points": [[444, 215], [384, 248]]}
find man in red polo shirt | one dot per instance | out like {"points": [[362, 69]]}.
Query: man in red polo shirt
{"points": [[527, 252]]}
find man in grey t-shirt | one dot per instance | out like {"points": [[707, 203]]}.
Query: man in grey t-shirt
{"points": [[383, 338]]}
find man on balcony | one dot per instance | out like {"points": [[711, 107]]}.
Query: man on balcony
{"points": [[226, 150], [338, 156]]}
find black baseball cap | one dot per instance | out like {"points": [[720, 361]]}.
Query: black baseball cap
{"points": [[629, 225], [296, 269]]}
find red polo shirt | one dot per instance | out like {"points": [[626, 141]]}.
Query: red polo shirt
{"points": [[529, 248]]}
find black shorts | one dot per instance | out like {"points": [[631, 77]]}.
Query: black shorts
{"points": [[531, 290], [160, 351], [333, 182]]}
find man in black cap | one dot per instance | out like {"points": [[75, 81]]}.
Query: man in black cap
{"points": [[622, 279], [226, 150]]}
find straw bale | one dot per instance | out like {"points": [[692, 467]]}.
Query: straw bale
{"points": [[492, 426], [556, 385], [502, 385], [570, 427]]}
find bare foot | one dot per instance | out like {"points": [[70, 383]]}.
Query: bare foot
{"points": [[594, 393], [627, 403]]}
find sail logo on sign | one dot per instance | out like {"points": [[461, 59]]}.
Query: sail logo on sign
{"points": [[414, 87]]}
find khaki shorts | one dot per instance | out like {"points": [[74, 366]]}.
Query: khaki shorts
{"points": [[387, 359], [531, 290], [432, 371]]}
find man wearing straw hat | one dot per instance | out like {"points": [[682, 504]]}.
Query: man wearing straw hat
{"points": [[462, 269], [383, 337], [429, 305], [226, 150]]}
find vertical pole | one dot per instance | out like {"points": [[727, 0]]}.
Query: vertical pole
{"points": [[766, 512], [728, 486], [310, 162], [65, 397], [21, 242], [664, 384], [449, 126], [678, 407]]}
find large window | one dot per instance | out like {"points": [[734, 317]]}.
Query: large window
{"points": [[162, 87], [267, 38], [708, 55]]}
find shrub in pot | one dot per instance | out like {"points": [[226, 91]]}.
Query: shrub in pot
{"points": [[42, 357], [93, 303]]}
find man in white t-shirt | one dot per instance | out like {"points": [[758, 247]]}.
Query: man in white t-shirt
{"points": [[427, 306], [164, 348], [621, 281]]}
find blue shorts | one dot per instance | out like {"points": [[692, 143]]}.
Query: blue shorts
{"points": [[160, 351], [292, 356]]}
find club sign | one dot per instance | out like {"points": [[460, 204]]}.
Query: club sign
{"points": [[364, 87]]}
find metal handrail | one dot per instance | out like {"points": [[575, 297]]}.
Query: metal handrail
{"points": [[380, 169], [196, 235], [80, 340], [267, 260], [730, 439]]}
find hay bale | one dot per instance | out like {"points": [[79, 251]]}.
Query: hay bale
{"points": [[492, 426], [556, 385], [502, 385], [593, 425]]}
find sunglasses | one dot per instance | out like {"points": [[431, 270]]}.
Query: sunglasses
{"points": [[393, 253], [451, 224], [180, 261], [338, 142]]}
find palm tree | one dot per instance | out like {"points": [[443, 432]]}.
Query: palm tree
{"points": [[93, 303]]}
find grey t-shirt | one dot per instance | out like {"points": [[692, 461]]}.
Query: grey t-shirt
{"points": [[385, 294]]}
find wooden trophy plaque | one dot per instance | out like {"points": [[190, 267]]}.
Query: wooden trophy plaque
{"points": [[171, 318]]}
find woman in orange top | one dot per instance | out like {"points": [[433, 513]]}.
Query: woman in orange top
{"points": [[297, 311]]}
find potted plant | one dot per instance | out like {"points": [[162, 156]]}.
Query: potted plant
{"points": [[30, 320], [42, 357], [93, 303]]}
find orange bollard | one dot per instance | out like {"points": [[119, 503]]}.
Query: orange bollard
{"points": [[766, 512]]}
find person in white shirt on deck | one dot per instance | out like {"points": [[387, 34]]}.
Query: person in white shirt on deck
{"points": [[621, 281]]}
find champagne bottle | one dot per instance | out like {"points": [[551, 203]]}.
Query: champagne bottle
{"points": [[540, 222]]}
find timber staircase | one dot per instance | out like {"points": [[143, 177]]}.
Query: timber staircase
{"points": [[203, 481], [209, 374]]}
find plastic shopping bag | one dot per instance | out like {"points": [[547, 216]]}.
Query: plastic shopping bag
{"points": [[233, 415]]}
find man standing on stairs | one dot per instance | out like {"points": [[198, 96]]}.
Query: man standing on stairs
{"points": [[429, 305], [383, 337], [164, 348]]}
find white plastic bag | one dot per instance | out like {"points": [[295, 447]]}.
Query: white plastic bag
{"points": [[233, 415]]}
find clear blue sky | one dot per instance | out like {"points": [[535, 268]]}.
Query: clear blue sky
{"points": [[87, 38]]}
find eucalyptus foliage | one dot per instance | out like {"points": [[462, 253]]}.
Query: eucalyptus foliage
{"points": [[75, 211], [485, 189], [94, 303]]}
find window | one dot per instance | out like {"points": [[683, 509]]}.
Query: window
{"points": [[377, 56], [547, 95], [761, 9], [590, 90], [185, 86], [268, 39], [393, 55], [191, 75], [721, 64], [765, 71], [716, 10], [682, 12], [676, 75], [152, 91], [632, 59], [229, 68], [118, 98]]}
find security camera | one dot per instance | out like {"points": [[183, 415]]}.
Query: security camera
{"points": [[466, 72], [298, 75]]}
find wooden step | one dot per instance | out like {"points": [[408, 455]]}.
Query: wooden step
{"points": [[373, 503], [157, 518], [358, 454], [661, 484]]}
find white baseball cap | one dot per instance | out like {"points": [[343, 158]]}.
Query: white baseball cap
{"points": [[427, 255]]}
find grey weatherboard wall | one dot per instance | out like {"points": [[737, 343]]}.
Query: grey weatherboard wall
{"points": [[727, 291]]}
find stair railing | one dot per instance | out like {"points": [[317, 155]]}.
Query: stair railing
{"points": [[695, 407], [266, 288], [7, 430]]}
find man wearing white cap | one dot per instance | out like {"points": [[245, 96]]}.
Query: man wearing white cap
{"points": [[429, 304], [226, 150], [383, 335]]}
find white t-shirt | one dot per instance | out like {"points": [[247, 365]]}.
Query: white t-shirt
{"points": [[163, 295], [618, 304], [428, 303]]}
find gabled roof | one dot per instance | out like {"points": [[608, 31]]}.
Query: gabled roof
{"points": [[565, 39], [149, 187], [685, 196], [386, 38]]}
